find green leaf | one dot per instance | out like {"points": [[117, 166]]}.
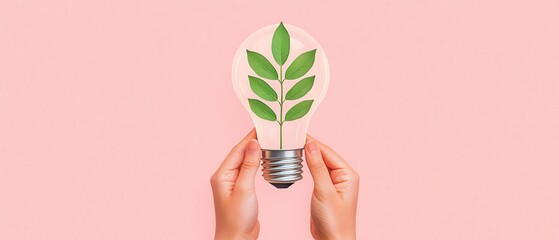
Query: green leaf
{"points": [[262, 89], [261, 65], [262, 110], [280, 44], [300, 88], [301, 65], [299, 110]]}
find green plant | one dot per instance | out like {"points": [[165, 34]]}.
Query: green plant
{"points": [[264, 69]]}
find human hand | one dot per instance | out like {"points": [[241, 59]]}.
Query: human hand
{"points": [[334, 198], [236, 207]]}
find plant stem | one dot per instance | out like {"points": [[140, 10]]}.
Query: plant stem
{"points": [[281, 108]]}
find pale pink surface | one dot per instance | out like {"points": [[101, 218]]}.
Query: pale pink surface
{"points": [[114, 114]]}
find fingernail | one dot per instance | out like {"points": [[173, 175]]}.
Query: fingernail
{"points": [[311, 147], [253, 145]]}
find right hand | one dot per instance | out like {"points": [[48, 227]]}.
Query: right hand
{"points": [[334, 198]]}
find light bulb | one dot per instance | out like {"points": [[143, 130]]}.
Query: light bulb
{"points": [[281, 74]]}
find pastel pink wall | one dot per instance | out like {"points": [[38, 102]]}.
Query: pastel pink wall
{"points": [[114, 114]]}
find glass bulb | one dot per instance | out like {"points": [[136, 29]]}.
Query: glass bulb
{"points": [[281, 74]]}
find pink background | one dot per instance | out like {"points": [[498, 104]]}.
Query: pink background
{"points": [[114, 114]]}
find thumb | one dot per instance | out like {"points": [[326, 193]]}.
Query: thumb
{"points": [[250, 165], [318, 169]]}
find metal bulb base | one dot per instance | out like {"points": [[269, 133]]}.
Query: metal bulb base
{"points": [[282, 168]]}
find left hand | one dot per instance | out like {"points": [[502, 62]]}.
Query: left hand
{"points": [[236, 207]]}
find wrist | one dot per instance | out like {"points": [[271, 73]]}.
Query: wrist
{"points": [[232, 236], [337, 235]]}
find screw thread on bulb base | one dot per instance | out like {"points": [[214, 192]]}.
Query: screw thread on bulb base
{"points": [[282, 168]]}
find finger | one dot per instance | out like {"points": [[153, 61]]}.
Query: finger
{"points": [[236, 155], [249, 167], [318, 169], [340, 170], [224, 178], [332, 159]]}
